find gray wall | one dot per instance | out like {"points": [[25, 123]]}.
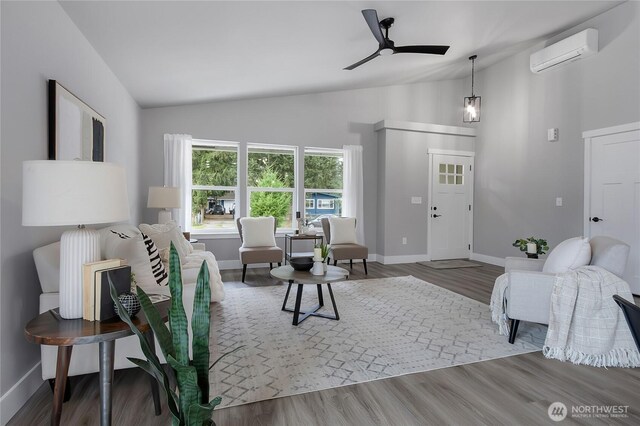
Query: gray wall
{"points": [[518, 173], [319, 120], [403, 164], [40, 42]]}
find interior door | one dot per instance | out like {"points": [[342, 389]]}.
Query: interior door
{"points": [[614, 207], [450, 209]]}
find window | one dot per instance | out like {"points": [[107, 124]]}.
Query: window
{"points": [[214, 172], [271, 182], [322, 184], [450, 174], [325, 204]]}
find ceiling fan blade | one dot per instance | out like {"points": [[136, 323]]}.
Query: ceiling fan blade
{"points": [[433, 50], [365, 60], [371, 16]]}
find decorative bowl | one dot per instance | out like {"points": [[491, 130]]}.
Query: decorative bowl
{"points": [[301, 263]]}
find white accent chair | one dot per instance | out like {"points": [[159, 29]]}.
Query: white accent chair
{"points": [[528, 295]]}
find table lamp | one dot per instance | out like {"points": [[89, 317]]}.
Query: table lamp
{"points": [[164, 198], [62, 193]]}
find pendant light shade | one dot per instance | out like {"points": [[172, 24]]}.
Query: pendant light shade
{"points": [[471, 112]]}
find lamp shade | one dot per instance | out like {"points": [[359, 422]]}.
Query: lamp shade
{"points": [[164, 197], [62, 193]]}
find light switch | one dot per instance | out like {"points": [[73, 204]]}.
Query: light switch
{"points": [[558, 201], [552, 135], [416, 200]]}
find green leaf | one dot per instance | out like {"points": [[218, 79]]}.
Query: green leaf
{"points": [[177, 316], [223, 355], [200, 326], [162, 334], [154, 362], [187, 378], [199, 414]]}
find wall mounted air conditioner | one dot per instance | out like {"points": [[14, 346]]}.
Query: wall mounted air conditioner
{"points": [[578, 46]]}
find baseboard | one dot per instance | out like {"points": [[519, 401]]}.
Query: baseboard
{"points": [[492, 260], [392, 260], [19, 393]]}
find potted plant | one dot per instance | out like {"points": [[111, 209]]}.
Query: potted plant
{"points": [[190, 406], [532, 246], [324, 253]]}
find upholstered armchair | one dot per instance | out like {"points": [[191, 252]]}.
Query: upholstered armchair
{"points": [[257, 235], [528, 295], [343, 243]]}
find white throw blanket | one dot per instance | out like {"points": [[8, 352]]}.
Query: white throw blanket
{"points": [[586, 326], [498, 306]]}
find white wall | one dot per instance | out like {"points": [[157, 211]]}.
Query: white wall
{"points": [[40, 42], [518, 173], [319, 120]]}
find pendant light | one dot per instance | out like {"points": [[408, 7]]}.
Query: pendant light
{"points": [[471, 112]]}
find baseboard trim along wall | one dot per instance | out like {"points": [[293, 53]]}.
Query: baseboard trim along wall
{"points": [[19, 393], [498, 261]]}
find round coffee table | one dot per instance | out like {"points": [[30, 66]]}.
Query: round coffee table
{"points": [[287, 273]]}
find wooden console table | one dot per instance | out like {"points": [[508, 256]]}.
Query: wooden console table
{"points": [[50, 328]]}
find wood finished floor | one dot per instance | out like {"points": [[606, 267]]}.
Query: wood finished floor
{"points": [[511, 391]]}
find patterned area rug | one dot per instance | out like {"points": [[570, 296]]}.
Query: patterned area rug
{"points": [[450, 264], [387, 327]]}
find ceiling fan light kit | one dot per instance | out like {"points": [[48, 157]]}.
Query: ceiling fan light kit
{"points": [[471, 111], [386, 46]]}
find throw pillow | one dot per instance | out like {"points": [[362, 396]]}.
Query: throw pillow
{"points": [[343, 230], [569, 254], [258, 232], [163, 234], [134, 251]]}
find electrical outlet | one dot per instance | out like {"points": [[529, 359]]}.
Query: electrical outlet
{"points": [[404, 240], [558, 201]]}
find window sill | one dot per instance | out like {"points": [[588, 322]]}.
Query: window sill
{"points": [[233, 235]]}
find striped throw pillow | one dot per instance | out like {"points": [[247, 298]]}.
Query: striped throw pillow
{"points": [[157, 267]]}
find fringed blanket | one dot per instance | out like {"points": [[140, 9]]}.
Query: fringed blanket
{"points": [[498, 304], [586, 326]]}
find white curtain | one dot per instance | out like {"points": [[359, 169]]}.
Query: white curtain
{"points": [[352, 184], [177, 173]]}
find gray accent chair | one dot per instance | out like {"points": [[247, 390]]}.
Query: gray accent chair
{"points": [[250, 255], [528, 295], [344, 251]]}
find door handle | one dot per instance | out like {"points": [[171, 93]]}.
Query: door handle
{"points": [[596, 219], [436, 215]]}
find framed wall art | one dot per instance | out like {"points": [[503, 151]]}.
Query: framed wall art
{"points": [[76, 131]]}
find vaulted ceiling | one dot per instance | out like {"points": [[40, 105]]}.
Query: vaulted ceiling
{"points": [[182, 52]]}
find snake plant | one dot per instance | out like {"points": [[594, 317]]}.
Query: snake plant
{"points": [[190, 406]]}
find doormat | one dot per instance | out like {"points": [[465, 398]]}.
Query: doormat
{"points": [[450, 264]]}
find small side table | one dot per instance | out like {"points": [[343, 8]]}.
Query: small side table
{"points": [[288, 243], [50, 328]]}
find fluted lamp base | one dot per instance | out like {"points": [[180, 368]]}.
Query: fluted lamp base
{"points": [[77, 247]]}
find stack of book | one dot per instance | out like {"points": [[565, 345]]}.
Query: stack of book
{"points": [[97, 304]]}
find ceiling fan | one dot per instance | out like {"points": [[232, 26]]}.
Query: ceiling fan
{"points": [[387, 46]]}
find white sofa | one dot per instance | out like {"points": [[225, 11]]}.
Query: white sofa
{"points": [[84, 358]]}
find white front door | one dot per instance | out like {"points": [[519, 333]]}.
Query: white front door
{"points": [[450, 212], [613, 199]]}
